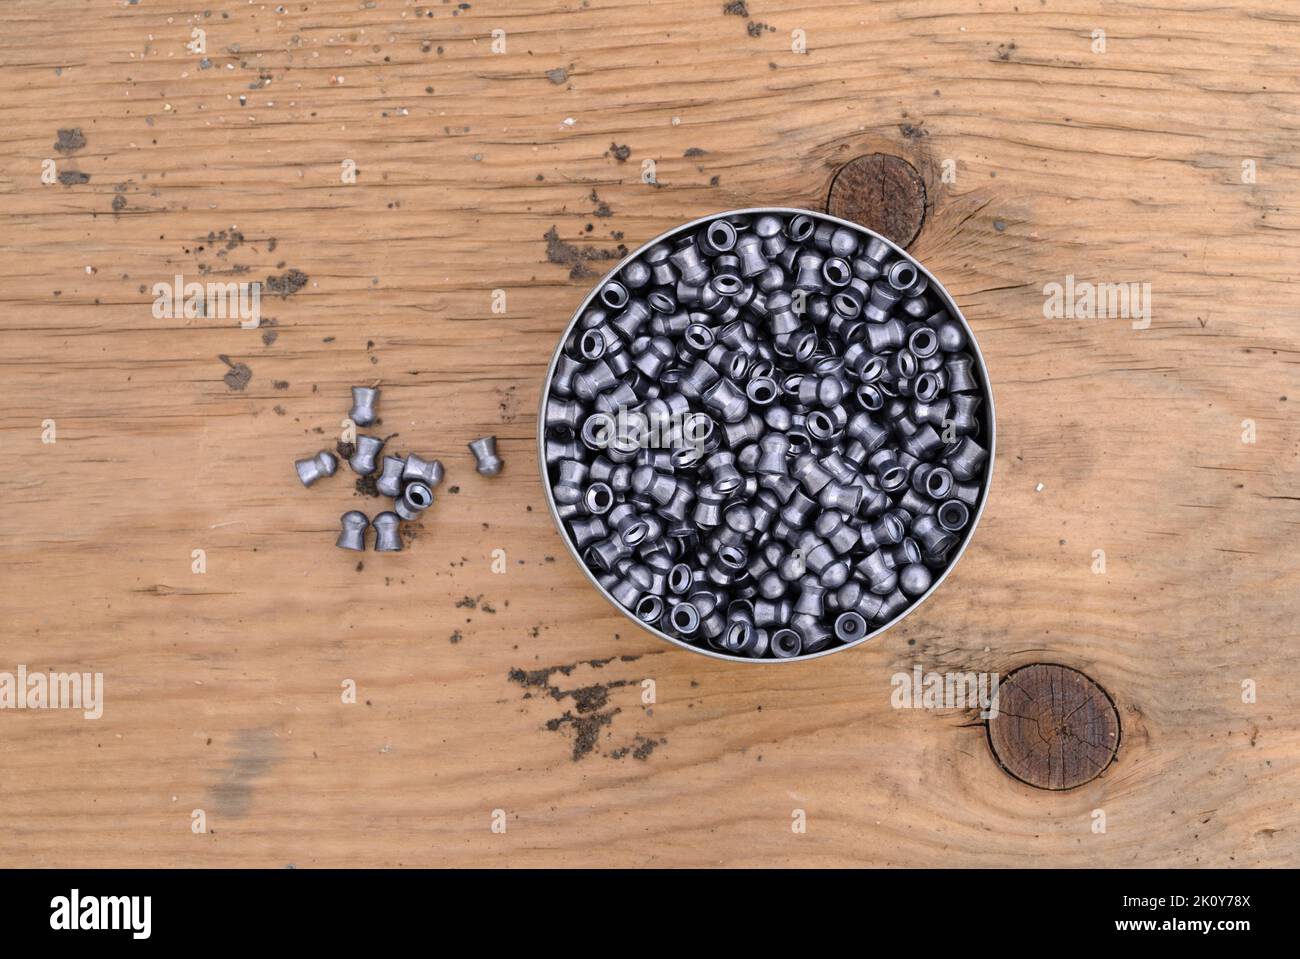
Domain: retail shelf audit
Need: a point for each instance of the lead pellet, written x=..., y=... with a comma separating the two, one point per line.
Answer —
x=390, y=478
x=415, y=499
x=387, y=537
x=364, y=454
x=316, y=468
x=429, y=472
x=364, y=399
x=352, y=532
x=488, y=463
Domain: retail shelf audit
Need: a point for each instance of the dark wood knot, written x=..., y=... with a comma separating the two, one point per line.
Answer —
x=881, y=192
x=1055, y=728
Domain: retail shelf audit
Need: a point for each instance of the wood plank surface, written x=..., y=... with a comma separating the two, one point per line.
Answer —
x=523, y=691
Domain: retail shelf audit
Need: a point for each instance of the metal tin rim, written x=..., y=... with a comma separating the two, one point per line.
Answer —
x=990, y=419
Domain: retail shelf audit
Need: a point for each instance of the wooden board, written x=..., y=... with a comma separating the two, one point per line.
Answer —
x=523, y=691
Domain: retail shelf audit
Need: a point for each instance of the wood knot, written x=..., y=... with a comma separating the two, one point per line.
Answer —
x=1055, y=728
x=881, y=192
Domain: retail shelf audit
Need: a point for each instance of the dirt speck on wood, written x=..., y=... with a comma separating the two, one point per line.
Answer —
x=238, y=375
x=586, y=730
x=640, y=749
x=576, y=258
x=287, y=284
x=602, y=208
x=70, y=140
x=592, y=710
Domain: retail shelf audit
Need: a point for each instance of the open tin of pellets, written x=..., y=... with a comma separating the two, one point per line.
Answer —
x=848, y=367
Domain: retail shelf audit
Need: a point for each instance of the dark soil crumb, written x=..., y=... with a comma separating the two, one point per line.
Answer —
x=366, y=485
x=506, y=404
x=737, y=9
x=280, y=384
x=287, y=284
x=73, y=177
x=695, y=152
x=119, y=203
x=360, y=565
x=558, y=76
x=232, y=239
x=591, y=698
x=278, y=410
x=591, y=704
x=454, y=637
x=469, y=602
x=238, y=375
x=576, y=258
x=757, y=29
x=269, y=337
x=620, y=153
x=1006, y=49
x=602, y=208
x=542, y=677
x=912, y=131
x=641, y=748
x=586, y=730
x=345, y=450
x=453, y=490
x=70, y=141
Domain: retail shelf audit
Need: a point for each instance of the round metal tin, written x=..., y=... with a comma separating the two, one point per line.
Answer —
x=988, y=432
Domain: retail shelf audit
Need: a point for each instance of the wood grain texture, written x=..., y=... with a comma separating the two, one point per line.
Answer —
x=223, y=689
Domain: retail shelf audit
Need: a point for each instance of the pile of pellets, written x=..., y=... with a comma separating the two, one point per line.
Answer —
x=764, y=435
x=409, y=480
